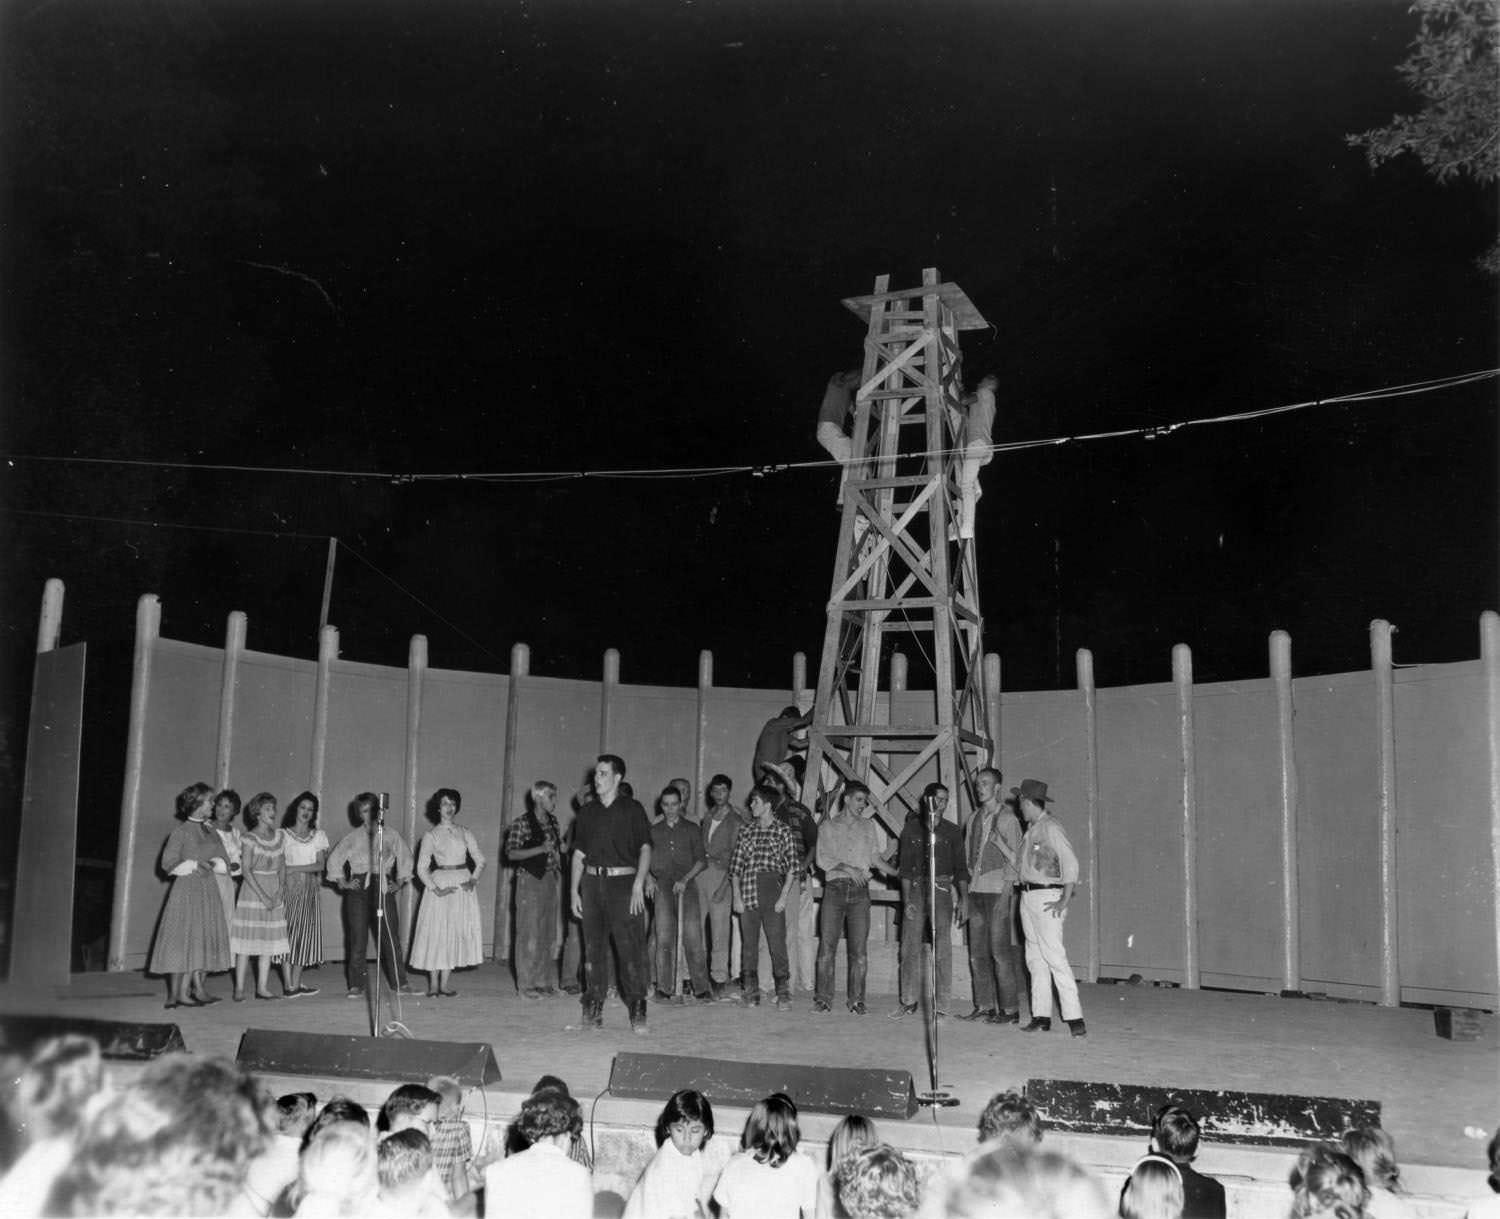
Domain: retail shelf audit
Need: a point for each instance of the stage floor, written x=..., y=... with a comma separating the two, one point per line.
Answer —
x=1431, y=1090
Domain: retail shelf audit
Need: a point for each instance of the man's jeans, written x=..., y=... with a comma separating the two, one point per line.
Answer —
x=606, y=918
x=768, y=889
x=846, y=904
x=801, y=936
x=720, y=916
x=536, y=930
x=664, y=938
x=995, y=964
x=914, y=954
x=360, y=922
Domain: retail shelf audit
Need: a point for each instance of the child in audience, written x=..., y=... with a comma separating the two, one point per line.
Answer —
x=767, y=1178
x=853, y=1134
x=878, y=1183
x=542, y=1182
x=1373, y=1150
x=452, y=1144
x=274, y=1171
x=1153, y=1190
x=45, y=1108
x=408, y=1184
x=679, y=1181
x=1326, y=1182
x=337, y=1174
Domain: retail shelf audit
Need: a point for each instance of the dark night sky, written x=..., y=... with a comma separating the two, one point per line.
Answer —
x=588, y=235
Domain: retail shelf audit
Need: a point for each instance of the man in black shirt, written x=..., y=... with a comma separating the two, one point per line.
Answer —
x=952, y=873
x=611, y=859
x=1175, y=1135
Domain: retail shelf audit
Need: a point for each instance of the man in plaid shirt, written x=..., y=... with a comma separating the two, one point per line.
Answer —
x=764, y=867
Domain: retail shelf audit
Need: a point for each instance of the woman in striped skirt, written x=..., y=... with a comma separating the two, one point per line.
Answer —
x=306, y=851
x=259, y=928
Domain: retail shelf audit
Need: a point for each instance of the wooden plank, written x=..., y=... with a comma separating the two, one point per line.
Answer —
x=966, y=315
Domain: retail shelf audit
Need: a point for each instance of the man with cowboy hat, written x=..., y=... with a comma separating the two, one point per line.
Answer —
x=801, y=931
x=1049, y=871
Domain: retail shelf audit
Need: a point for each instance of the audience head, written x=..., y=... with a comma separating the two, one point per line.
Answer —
x=1153, y=1190
x=547, y=1114
x=193, y=802
x=1375, y=1152
x=771, y=1131
x=51, y=1089
x=687, y=1119
x=339, y=1109
x=1327, y=1182
x=878, y=1183
x=289, y=818
x=1010, y=1116
x=853, y=1133
x=410, y=1105
x=402, y=1160
x=450, y=1095
x=175, y=1141
x=1175, y=1134
x=1495, y=1162
x=295, y=1113
x=1010, y=1182
x=337, y=1173
x=550, y=1081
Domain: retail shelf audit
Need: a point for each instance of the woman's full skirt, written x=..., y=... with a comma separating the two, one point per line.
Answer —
x=447, y=934
x=192, y=934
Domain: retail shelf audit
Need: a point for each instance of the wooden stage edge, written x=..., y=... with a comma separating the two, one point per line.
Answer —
x=1432, y=1091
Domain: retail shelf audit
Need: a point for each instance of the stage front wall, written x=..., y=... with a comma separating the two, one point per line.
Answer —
x=1445, y=880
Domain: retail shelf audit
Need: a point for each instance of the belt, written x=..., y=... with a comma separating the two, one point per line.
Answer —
x=847, y=880
x=593, y=871
x=1026, y=886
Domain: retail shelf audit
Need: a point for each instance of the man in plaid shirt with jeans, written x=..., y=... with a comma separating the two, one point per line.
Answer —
x=764, y=868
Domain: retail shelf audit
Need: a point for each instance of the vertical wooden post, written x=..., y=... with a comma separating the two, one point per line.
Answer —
x=992, y=706
x=1182, y=676
x=700, y=741
x=1385, y=705
x=1291, y=895
x=328, y=652
x=49, y=627
x=333, y=554
x=416, y=671
x=1085, y=667
x=608, y=682
x=147, y=630
x=1489, y=652
x=799, y=675
x=520, y=669
x=229, y=680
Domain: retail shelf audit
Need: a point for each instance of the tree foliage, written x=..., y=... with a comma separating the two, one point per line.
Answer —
x=1454, y=67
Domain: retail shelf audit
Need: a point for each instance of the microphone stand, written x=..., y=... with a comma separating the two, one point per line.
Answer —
x=937, y=1096
x=378, y=862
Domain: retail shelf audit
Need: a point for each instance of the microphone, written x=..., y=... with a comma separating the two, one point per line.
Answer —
x=381, y=806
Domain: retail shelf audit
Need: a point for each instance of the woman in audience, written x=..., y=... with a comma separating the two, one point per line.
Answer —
x=177, y=1140
x=447, y=935
x=259, y=928
x=853, y=1134
x=46, y=1106
x=679, y=1181
x=1375, y=1152
x=1153, y=1190
x=192, y=937
x=767, y=1178
x=337, y=1174
x=306, y=852
x=542, y=1182
x=878, y=1183
x=1327, y=1182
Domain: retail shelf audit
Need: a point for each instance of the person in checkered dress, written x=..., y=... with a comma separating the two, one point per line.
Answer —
x=764, y=866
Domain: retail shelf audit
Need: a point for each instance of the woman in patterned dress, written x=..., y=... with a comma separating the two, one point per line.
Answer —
x=306, y=851
x=191, y=937
x=447, y=934
x=259, y=928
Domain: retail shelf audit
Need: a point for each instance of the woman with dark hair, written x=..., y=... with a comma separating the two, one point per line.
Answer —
x=259, y=927
x=447, y=935
x=226, y=812
x=768, y=1179
x=306, y=852
x=680, y=1178
x=192, y=937
x=542, y=1182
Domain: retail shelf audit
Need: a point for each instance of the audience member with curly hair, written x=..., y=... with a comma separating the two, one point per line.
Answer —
x=1326, y=1182
x=1011, y=1118
x=1375, y=1152
x=853, y=1134
x=542, y=1182
x=46, y=1107
x=878, y=1183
